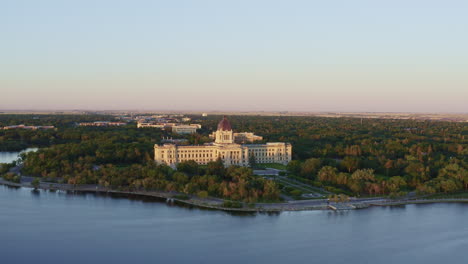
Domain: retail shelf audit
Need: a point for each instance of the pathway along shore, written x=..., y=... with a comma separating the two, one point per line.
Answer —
x=216, y=203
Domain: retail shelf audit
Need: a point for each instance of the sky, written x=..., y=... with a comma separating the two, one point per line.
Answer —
x=243, y=55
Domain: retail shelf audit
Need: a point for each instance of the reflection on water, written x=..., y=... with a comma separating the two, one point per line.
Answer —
x=8, y=157
x=60, y=227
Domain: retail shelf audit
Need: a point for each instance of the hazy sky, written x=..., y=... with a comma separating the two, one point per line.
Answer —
x=290, y=55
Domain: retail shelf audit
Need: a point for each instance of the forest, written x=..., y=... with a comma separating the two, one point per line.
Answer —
x=359, y=157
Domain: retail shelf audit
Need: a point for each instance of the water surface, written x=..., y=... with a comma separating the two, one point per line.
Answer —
x=57, y=227
x=10, y=156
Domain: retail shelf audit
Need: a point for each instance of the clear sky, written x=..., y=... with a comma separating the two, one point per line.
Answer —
x=290, y=55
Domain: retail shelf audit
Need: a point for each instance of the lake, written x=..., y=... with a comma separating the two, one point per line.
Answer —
x=10, y=156
x=47, y=227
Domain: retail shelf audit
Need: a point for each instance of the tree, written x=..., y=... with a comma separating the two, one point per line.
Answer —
x=310, y=167
x=270, y=191
x=339, y=198
x=11, y=177
x=448, y=186
x=294, y=167
x=394, y=184
x=190, y=167
x=417, y=173
x=351, y=163
x=363, y=180
x=180, y=178
x=252, y=161
x=216, y=168
x=327, y=173
x=342, y=178
x=363, y=175
x=35, y=183
x=453, y=171
x=388, y=165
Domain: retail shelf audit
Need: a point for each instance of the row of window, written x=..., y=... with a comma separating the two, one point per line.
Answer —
x=190, y=151
x=237, y=161
x=204, y=155
x=272, y=151
x=205, y=161
x=268, y=160
x=267, y=154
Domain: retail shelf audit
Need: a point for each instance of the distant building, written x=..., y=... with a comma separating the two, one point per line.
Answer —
x=225, y=148
x=28, y=127
x=102, y=124
x=176, y=128
x=204, y=115
x=151, y=124
x=198, y=126
x=185, y=129
x=174, y=141
x=246, y=137
x=242, y=137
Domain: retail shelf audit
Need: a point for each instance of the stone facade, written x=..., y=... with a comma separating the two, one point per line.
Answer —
x=184, y=129
x=224, y=147
x=242, y=137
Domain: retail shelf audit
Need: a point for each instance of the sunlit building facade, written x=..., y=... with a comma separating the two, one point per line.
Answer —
x=224, y=147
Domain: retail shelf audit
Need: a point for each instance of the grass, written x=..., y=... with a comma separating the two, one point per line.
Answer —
x=181, y=197
x=448, y=195
x=290, y=185
x=271, y=165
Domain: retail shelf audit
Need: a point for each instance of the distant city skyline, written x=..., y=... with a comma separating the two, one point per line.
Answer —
x=297, y=56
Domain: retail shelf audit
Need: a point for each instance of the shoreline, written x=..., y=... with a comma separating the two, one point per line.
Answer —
x=214, y=203
x=167, y=196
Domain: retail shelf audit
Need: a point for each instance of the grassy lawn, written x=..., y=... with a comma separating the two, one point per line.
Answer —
x=448, y=195
x=303, y=187
x=271, y=165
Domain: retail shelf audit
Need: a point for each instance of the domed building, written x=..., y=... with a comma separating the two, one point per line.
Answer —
x=224, y=147
x=224, y=133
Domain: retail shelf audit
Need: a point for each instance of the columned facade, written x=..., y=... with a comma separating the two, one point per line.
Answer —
x=224, y=148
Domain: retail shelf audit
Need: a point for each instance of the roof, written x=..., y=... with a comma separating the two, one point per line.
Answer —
x=224, y=125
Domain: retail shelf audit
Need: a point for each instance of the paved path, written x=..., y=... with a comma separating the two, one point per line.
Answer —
x=313, y=188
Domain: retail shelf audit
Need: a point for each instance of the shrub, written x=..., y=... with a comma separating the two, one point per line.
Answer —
x=202, y=194
x=181, y=197
x=232, y=204
x=295, y=193
x=12, y=177
x=35, y=183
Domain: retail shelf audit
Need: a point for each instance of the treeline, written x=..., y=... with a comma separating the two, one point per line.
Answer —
x=336, y=138
x=348, y=175
x=57, y=120
x=66, y=130
x=233, y=183
x=372, y=156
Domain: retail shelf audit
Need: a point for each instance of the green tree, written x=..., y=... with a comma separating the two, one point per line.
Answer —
x=351, y=163
x=252, y=161
x=190, y=167
x=327, y=173
x=35, y=183
x=310, y=167
x=216, y=168
x=294, y=167
x=394, y=184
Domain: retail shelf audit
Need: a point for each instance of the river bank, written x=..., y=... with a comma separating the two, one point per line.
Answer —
x=216, y=203
x=172, y=197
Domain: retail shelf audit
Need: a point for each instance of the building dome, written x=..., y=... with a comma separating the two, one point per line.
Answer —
x=224, y=125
